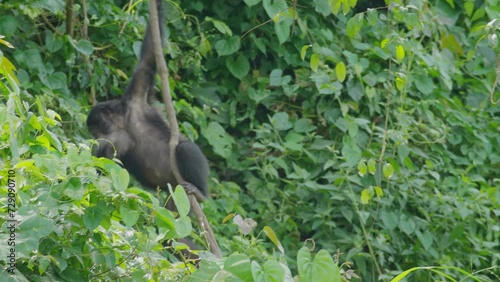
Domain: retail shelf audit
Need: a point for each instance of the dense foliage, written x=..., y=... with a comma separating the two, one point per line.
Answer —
x=368, y=132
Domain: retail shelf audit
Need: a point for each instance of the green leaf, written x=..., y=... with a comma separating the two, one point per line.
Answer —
x=426, y=238
x=350, y=151
x=221, y=142
x=372, y=16
x=257, y=272
x=372, y=166
x=303, y=125
x=335, y=6
x=314, y=63
x=346, y=7
x=83, y=46
x=260, y=43
x=400, y=83
x=389, y=219
x=53, y=43
x=433, y=269
x=238, y=265
x=340, y=71
x=204, y=47
x=352, y=3
x=238, y=67
x=8, y=26
x=303, y=51
x=275, y=77
x=362, y=168
x=322, y=269
x=272, y=236
x=165, y=221
x=220, y=26
x=271, y=271
x=370, y=92
x=282, y=29
x=424, y=84
x=479, y=13
x=227, y=46
x=280, y=121
x=183, y=226
x=7, y=68
x=36, y=227
x=456, y=232
x=469, y=8
x=365, y=197
x=259, y=94
x=44, y=262
x=57, y=80
x=384, y=43
x=388, y=170
x=354, y=25
x=93, y=216
x=407, y=225
x=121, y=178
x=274, y=7
x=129, y=216
x=181, y=200
x=400, y=53
x=54, y=140
x=54, y=6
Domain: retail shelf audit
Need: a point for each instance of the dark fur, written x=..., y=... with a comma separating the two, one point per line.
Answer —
x=139, y=134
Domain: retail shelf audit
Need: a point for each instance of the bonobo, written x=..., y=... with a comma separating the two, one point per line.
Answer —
x=140, y=136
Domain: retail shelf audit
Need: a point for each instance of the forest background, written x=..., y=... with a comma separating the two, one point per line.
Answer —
x=368, y=132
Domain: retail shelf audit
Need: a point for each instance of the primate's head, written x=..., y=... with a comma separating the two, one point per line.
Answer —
x=106, y=123
x=105, y=118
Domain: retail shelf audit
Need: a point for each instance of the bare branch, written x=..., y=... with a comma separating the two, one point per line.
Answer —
x=174, y=129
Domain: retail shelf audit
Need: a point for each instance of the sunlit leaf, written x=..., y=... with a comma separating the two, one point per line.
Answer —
x=365, y=197
x=340, y=71
x=272, y=236
x=400, y=83
x=303, y=51
x=314, y=63
x=388, y=170
x=469, y=8
x=362, y=168
x=181, y=200
x=378, y=191
x=321, y=269
x=372, y=166
x=400, y=53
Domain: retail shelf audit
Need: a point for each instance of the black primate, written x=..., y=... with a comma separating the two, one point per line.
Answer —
x=139, y=134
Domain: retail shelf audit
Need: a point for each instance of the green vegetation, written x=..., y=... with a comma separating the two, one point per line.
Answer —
x=347, y=141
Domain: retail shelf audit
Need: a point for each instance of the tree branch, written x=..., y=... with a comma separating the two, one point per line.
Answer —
x=174, y=128
x=69, y=17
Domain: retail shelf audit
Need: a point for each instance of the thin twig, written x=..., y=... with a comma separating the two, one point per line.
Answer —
x=495, y=83
x=85, y=28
